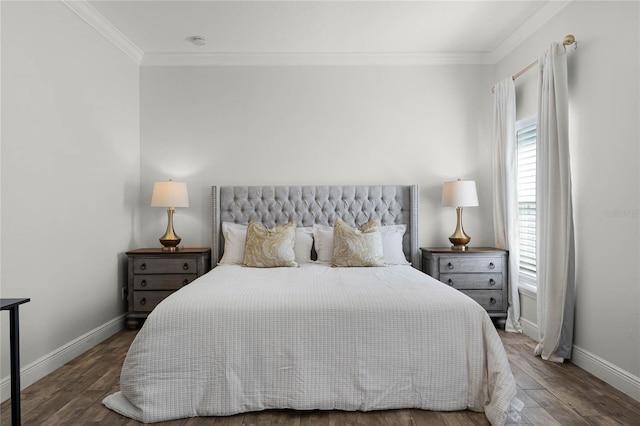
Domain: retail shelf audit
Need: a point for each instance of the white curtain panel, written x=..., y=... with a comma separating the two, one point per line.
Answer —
x=555, y=251
x=505, y=197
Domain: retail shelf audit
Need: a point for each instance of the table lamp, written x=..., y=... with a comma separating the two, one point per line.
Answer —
x=170, y=194
x=459, y=194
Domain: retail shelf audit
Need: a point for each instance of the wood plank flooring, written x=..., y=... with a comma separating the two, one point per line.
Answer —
x=552, y=394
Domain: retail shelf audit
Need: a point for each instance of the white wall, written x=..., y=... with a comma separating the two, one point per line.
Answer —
x=70, y=178
x=604, y=90
x=313, y=125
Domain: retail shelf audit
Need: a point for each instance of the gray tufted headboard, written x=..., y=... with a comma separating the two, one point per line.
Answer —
x=308, y=205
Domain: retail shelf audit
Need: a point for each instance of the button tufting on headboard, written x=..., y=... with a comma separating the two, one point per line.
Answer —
x=306, y=205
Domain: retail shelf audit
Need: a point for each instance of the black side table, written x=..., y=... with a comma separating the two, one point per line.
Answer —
x=12, y=305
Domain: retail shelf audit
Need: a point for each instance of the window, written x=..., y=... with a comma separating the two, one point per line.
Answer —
x=526, y=140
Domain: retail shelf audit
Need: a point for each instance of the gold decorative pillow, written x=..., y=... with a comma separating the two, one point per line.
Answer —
x=269, y=248
x=357, y=247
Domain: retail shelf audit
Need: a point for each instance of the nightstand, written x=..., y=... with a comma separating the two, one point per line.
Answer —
x=479, y=272
x=155, y=273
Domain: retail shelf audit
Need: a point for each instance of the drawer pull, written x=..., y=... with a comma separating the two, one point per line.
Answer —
x=450, y=265
x=143, y=266
x=492, y=301
x=491, y=265
x=143, y=301
x=185, y=282
x=143, y=283
x=492, y=282
x=450, y=281
x=185, y=266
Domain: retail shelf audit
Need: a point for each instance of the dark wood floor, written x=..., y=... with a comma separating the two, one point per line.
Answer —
x=552, y=394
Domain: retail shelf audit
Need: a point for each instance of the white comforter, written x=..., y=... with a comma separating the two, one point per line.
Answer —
x=316, y=337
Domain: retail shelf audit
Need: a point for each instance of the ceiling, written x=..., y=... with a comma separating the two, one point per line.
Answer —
x=265, y=31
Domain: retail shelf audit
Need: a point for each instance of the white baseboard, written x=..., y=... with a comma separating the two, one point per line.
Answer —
x=604, y=370
x=529, y=329
x=47, y=364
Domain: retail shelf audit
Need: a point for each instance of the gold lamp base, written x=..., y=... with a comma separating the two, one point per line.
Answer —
x=459, y=239
x=170, y=239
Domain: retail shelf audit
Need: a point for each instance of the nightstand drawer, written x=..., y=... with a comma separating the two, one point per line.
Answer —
x=491, y=300
x=155, y=273
x=148, y=265
x=479, y=272
x=470, y=264
x=145, y=301
x=162, y=282
x=473, y=281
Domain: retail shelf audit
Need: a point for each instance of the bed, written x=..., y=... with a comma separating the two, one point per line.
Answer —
x=315, y=336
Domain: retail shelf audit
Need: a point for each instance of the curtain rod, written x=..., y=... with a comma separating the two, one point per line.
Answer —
x=569, y=39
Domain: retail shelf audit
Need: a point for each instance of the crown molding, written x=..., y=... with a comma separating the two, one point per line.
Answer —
x=311, y=59
x=524, y=31
x=92, y=17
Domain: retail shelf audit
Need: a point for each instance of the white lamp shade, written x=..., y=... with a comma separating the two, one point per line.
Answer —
x=459, y=193
x=170, y=194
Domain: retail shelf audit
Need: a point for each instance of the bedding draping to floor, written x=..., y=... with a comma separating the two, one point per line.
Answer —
x=316, y=337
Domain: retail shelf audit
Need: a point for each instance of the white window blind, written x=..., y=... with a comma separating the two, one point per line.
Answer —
x=526, y=137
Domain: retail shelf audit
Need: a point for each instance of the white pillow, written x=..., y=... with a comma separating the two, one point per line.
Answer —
x=304, y=242
x=235, y=236
x=392, y=244
x=392, y=236
x=323, y=239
